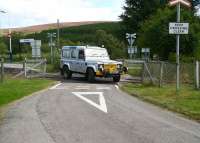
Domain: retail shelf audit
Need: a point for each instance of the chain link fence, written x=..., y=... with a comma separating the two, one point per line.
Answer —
x=161, y=73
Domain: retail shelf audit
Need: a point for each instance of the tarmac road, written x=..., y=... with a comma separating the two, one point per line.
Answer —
x=78, y=112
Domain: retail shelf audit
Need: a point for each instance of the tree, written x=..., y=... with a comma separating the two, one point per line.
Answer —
x=136, y=11
x=154, y=34
x=115, y=48
x=3, y=48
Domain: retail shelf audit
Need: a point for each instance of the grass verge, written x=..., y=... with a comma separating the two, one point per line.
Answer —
x=14, y=89
x=187, y=102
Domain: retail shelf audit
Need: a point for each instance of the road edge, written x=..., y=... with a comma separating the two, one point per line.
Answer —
x=4, y=109
x=180, y=114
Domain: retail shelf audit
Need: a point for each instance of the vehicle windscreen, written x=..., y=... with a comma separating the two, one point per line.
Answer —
x=96, y=54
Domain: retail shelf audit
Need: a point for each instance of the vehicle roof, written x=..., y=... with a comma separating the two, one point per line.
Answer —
x=82, y=47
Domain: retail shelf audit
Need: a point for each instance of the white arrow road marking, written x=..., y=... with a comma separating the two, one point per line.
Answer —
x=102, y=101
x=55, y=86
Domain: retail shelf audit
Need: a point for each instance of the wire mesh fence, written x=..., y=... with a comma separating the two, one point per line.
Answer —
x=160, y=73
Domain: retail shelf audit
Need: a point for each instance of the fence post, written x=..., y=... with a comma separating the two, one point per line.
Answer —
x=143, y=71
x=24, y=67
x=2, y=70
x=161, y=74
x=197, y=74
x=45, y=67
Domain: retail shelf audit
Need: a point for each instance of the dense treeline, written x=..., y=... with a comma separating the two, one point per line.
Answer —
x=150, y=20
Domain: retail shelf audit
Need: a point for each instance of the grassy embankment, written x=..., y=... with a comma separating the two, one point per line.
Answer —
x=14, y=89
x=187, y=102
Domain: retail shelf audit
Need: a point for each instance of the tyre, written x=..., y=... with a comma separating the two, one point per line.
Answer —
x=90, y=75
x=67, y=74
x=116, y=78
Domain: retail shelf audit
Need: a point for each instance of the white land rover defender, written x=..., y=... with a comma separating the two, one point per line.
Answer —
x=91, y=61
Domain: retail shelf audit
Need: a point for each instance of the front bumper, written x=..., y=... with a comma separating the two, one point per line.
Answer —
x=107, y=74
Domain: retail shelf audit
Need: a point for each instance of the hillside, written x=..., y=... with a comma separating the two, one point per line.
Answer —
x=84, y=33
x=109, y=34
x=39, y=28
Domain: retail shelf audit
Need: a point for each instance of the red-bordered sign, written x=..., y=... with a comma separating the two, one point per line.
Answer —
x=9, y=35
x=183, y=2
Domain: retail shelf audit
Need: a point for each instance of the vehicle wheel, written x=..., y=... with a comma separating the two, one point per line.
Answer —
x=67, y=73
x=61, y=72
x=90, y=75
x=116, y=78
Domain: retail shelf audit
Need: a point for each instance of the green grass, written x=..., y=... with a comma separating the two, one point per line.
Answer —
x=13, y=89
x=135, y=72
x=187, y=102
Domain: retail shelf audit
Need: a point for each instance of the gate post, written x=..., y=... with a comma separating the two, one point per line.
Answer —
x=2, y=69
x=45, y=67
x=24, y=67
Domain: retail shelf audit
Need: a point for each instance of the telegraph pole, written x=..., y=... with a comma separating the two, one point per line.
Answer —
x=52, y=45
x=10, y=41
x=58, y=33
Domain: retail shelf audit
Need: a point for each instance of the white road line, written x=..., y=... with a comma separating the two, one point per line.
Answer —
x=116, y=86
x=60, y=88
x=103, y=88
x=82, y=88
x=102, y=101
x=55, y=86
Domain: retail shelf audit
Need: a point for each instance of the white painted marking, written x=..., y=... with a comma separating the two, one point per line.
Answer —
x=102, y=101
x=82, y=87
x=60, y=88
x=103, y=88
x=55, y=86
x=117, y=87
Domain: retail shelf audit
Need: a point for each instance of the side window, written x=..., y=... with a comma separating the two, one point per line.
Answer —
x=73, y=53
x=81, y=54
x=66, y=54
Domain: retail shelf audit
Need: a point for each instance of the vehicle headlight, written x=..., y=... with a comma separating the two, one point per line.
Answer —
x=100, y=67
x=119, y=66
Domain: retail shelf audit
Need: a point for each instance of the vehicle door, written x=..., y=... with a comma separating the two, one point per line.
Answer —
x=73, y=61
x=65, y=57
x=81, y=61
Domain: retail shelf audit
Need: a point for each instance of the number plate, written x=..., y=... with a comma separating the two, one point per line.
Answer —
x=110, y=68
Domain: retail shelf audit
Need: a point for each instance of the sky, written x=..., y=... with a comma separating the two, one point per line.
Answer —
x=22, y=13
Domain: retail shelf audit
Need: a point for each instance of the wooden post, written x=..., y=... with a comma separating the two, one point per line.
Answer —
x=24, y=67
x=161, y=74
x=197, y=74
x=2, y=70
